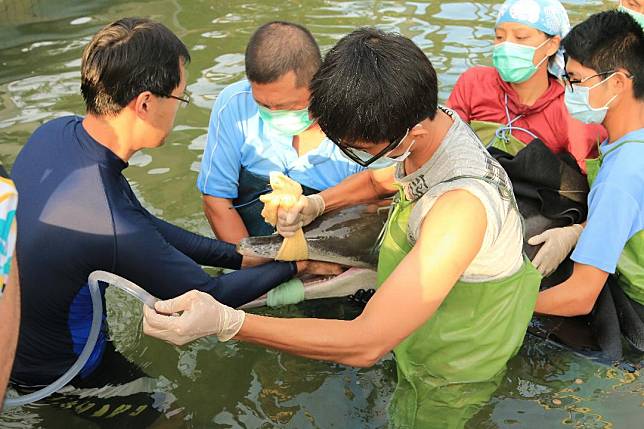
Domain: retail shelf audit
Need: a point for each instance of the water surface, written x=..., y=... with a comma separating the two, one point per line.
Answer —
x=240, y=385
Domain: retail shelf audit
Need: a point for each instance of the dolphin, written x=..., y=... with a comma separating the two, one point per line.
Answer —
x=347, y=237
x=350, y=236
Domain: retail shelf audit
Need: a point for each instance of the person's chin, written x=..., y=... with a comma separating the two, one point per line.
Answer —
x=159, y=143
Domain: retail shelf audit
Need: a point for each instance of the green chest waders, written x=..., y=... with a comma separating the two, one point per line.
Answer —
x=453, y=363
x=630, y=267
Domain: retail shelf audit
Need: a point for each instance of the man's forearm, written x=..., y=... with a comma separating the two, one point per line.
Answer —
x=366, y=186
x=574, y=297
x=560, y=300
x=340, y=341
x=243, y=286
x=223, y=219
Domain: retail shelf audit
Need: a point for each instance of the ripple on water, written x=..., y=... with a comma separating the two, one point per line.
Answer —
x=239, y=385
x=140, y=159
x=161, y=170
x=199, y=142
x=81, y=20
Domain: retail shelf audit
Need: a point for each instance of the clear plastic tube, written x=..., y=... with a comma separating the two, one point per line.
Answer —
x=97, y=313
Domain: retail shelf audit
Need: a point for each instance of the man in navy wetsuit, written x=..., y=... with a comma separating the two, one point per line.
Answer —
x=78, y=213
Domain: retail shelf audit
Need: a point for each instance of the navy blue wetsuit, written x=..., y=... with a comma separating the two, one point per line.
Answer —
x=78, y=214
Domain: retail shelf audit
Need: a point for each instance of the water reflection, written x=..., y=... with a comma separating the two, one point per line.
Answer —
x=238, y=385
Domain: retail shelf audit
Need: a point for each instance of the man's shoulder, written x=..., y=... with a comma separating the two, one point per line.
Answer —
x=55, y=126
x=239, y=92
x=46, y=137
x=628, y=164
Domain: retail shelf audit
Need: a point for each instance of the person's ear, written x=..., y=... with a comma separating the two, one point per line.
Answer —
x=418, y=131
x=142, y=103
x=553, y=45
x=620, y=82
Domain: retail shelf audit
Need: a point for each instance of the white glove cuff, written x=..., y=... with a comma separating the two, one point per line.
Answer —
x=318, y=202
x=231, y=321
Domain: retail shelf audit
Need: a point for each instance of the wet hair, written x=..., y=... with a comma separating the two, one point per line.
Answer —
x=279, y=47
x=372, y=87
x=608, y=41
x=126, y=58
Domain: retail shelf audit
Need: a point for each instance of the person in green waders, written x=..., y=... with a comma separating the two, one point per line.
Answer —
x=605, y=84
x=455, y=293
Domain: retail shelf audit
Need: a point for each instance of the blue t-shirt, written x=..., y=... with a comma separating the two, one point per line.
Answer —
x=238, y=137
x=615, y=204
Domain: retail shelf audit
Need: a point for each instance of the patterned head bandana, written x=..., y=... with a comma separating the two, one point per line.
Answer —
x=548, y=16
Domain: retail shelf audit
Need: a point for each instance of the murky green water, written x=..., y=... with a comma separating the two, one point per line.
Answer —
x=239, y=385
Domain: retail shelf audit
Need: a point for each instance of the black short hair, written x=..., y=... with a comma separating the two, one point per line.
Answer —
x=278, y=47
x=126, y=58
x=607, y=41
x=372, y=87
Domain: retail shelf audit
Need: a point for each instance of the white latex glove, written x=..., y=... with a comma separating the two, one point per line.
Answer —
x=201, y=315
x=302, y=213
x=557, y=244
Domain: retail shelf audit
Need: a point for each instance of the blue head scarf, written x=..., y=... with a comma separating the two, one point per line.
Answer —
x=548, y=16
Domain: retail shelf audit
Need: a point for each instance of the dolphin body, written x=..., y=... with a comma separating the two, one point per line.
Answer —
x=347, y=237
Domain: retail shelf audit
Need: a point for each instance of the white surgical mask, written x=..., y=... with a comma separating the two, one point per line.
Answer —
x=402, y=157
x=384, y=161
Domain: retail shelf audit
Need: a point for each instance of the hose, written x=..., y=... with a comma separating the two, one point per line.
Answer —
x=97, y=313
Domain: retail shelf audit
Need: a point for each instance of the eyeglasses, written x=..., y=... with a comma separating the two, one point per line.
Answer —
x=185, y=99
x=363, y=157
x=570, y=82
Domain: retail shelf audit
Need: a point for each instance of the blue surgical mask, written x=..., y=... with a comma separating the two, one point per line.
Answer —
x=578, y=104
x=514, y=62
x=288, y=123
x=637, y=16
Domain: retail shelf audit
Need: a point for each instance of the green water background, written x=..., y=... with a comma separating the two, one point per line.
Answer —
x=240, y=385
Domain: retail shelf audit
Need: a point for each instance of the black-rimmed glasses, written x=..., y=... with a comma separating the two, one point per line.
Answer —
x=570, y=82
x=364, y=158
x=185, y=99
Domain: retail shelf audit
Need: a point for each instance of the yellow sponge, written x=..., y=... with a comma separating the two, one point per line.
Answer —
x=286, y=192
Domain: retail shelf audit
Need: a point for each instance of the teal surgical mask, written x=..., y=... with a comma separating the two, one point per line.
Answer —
x=578, y=103
x=639, y=17
x=514, y=62
x=288, y=123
